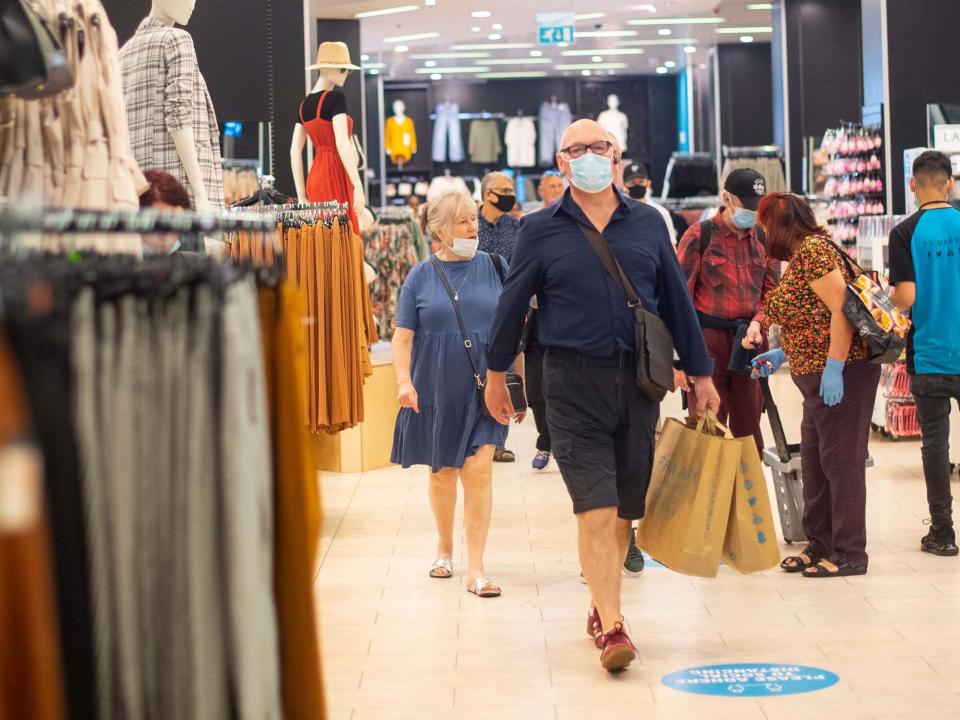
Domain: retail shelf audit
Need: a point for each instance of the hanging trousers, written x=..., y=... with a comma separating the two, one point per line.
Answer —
x=41, y=342
x=833, y=455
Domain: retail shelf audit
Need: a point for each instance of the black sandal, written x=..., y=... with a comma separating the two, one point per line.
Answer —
x=843, y=570
x=798, y=565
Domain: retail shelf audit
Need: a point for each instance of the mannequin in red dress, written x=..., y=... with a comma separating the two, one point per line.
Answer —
x=323, y=118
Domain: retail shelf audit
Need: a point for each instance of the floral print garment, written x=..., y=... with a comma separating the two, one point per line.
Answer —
x=803, y=317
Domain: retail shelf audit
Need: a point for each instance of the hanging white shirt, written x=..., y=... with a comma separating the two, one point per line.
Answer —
x=665, y=214
x=521, y=139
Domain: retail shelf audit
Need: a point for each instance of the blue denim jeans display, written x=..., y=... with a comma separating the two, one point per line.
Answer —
x=933, y=394
x=446, y=134
x=554, y=119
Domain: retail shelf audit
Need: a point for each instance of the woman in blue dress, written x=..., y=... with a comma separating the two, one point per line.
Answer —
x=440, y=423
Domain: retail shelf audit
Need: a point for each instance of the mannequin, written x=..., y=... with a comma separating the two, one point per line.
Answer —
x=189, y=119
x=334, y=174
x=400, y=136
x=614, y=121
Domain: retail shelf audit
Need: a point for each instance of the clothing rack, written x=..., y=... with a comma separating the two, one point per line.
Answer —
x=752, y=151
x=59, y=220
x=325, y=212
x=238, y=163
x=479, y=116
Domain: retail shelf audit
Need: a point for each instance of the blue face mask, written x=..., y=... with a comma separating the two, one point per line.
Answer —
x=744, y=219
x=591, y=173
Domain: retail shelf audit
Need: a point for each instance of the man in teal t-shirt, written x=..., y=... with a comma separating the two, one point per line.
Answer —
x=925, y=268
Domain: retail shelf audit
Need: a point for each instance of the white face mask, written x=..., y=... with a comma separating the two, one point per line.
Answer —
x=465, y=247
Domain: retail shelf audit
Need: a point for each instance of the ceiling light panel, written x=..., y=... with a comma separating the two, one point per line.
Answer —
x=744, y=30
x=374, y=66
x=511, y=75
x=589, y=16
x=408, y=38
x=516, y=61
x=450, y=56
x=493, y=46
x=592, y=66
x=678, y=21
x=450, y=70
x=387, y=11
x=605, y=33
x=664, y=41
x=481, y=14
x=760, y=6
x=612, y=51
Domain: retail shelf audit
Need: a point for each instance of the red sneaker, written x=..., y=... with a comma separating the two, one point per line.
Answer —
x=618, y=650
x=593, y=624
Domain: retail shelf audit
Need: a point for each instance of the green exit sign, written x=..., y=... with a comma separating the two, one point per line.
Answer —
x=555, y=34
x=555, y=28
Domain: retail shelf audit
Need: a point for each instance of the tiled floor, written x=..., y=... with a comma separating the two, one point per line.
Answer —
x=398, y=644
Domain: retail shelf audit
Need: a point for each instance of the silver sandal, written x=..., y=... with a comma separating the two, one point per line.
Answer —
x=445, y=564
x=478, y=585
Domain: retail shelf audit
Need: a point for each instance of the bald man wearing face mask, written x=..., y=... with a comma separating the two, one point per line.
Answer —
x=601, y=424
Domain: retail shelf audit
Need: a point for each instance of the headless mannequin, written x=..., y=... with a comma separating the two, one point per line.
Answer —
x=330, y=78
x=614, y=121
x=399, y=115
x=178, y=12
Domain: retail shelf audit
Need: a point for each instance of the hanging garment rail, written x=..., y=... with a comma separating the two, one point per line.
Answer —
x=143, y=221
x=752, y=151
x=478, y=116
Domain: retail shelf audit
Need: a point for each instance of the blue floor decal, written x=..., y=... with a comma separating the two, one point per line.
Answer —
x=751, y=680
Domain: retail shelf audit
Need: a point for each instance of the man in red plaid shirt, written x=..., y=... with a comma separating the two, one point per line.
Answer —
x=728, y=274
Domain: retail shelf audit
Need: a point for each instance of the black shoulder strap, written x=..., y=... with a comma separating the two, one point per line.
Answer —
x=603, y=251
x=706, y=232
x=467, y=344
x=499, y=266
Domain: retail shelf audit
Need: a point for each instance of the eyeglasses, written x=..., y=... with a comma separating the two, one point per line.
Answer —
x=601, y=147
x=346, y=71
x=553, y=173
x=503, y=191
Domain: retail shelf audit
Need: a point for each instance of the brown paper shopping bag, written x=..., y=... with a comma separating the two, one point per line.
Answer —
x=751, y=542
x=688, y=502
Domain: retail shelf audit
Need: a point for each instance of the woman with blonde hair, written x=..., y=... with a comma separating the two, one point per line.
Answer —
x=441, y=423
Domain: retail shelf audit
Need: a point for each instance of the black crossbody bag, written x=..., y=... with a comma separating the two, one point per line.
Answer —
x=653, y=342
x=514, y=381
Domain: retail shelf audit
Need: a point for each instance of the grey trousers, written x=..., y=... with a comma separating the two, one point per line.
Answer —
x=247, y=503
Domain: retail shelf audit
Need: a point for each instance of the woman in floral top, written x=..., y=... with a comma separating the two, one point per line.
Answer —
x=828, y=364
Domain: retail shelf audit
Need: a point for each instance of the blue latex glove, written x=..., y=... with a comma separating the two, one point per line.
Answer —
x=831, y=382
x=766, y=364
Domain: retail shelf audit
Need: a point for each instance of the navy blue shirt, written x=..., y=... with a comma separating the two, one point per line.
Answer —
x=581, y=306
x=498, y=238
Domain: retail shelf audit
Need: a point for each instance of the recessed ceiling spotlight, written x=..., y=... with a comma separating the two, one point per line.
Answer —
x=670, y=64
x=597, y=58
x=374, y=72
x=746, y=38
x=536, y=53
x=664, y=32
x=475, y=28
x=436, y=76
x=702, y=66
x=401, y=48
x=494, y=36
x=690, y=49
x=586, y=73
x=364, y=58
x=563, y=44
x=430, y=63
x=481, y=14
x=661, y=70
x=387, y=11
x=429, y=3
x=497, y=26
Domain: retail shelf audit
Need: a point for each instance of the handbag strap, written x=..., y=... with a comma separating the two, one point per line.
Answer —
x=603, y=251
x=467, y=343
